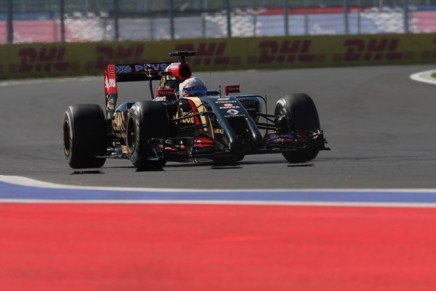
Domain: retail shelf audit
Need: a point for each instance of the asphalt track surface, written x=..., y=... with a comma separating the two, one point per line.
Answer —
x=379, y=124
x=310, y=235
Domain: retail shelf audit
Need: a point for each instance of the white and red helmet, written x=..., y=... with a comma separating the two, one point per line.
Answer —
x=192, y=87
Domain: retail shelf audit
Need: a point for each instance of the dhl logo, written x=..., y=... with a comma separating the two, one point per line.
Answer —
x=46, y=59
x=285, y=51
x=210, y=53
x=118, y=54
x=373, y=49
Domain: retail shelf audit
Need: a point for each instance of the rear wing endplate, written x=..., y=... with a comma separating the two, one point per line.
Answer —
x=128, y=73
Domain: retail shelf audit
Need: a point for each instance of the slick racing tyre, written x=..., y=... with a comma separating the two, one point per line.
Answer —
x=85, y=134
x=295, y=112
x=146, y=120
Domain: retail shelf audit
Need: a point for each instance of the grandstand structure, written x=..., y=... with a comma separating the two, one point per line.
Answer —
x=25, y=21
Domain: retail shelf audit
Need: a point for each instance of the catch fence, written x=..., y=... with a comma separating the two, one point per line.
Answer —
x=24, y=21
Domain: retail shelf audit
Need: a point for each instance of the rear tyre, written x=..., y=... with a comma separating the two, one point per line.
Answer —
x=85, y=136
x=295, y=112
x=146, y=120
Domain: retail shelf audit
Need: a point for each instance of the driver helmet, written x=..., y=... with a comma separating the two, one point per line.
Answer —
x=192, y=87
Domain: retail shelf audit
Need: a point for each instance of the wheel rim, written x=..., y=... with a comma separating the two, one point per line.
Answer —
x=282, y=120
x=131, y=136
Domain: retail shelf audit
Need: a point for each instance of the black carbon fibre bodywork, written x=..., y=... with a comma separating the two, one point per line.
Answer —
x=218, y=127
x=221, y=128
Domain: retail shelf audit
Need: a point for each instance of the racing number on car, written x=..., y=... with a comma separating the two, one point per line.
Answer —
x=110, y=83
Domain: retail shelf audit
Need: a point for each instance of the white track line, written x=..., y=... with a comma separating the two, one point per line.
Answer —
x=424, y=77
x=28, y=182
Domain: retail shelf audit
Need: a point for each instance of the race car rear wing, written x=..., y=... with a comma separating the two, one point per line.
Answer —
x=136, y=72
x=142, y=72
x=128, y=73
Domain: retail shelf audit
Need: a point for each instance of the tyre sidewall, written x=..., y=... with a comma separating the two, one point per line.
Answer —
x=146, y=119
x=300, y=113
x=85, y=136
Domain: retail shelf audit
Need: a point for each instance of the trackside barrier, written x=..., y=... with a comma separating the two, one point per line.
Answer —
x=78, y=59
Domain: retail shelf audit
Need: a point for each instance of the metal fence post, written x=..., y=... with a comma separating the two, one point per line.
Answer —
x=285, y=13
x=171, y=17
x=10, y=22
x=359, y=22
x=62, y=18
x=151, y=22
x=346, y=22
x=254, y=24
x=306, y=24
x=406, y=16
x=116, y=19
x=203, y=26
x=229, y=18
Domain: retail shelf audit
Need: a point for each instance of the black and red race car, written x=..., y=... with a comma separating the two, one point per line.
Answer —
x=219, y=127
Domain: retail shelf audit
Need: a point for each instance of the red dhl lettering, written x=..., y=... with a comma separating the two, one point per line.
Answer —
x=46, y=59
x=209, y=54
x=285, y=51
x=45, y=54
x=119, y=54
x=372, y=49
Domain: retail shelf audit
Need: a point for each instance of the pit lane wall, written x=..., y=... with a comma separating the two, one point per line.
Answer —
x=76, y=59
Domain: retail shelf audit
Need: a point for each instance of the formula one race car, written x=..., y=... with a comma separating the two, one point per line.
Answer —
x=170, y=127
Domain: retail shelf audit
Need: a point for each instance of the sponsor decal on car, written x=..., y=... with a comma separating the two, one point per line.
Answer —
x=229, y=106
x=124, y=69
x=140, y=68
x=224, y=100
x=233, y=112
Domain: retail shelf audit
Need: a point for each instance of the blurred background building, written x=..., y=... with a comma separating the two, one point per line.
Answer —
x=24, y=21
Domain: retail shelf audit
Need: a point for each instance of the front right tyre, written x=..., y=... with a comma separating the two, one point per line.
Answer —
x=297, y=112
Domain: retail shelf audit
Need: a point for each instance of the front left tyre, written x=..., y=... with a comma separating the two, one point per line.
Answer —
x=85, y=135
x=147, y=120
